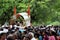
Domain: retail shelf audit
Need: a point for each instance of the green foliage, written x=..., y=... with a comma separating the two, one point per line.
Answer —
x=42, y=11
x=55, y=23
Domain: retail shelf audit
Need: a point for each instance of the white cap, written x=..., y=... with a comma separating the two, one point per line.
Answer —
x=5, y=30
x=2, y=32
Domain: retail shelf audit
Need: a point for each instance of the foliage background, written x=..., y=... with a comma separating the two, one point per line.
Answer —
x=42, y=11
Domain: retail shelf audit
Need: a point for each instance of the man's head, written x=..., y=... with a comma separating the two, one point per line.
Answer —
x=3, y=36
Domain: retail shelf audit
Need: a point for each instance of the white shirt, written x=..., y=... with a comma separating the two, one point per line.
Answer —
x=33, y=38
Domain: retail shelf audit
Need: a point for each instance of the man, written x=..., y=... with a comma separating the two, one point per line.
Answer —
x=31, y=36
x=3, y=36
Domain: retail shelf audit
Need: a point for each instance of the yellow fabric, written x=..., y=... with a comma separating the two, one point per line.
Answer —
x=36, y=38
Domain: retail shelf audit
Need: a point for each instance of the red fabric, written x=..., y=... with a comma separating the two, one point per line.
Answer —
x=14, y=10
x=28, y=11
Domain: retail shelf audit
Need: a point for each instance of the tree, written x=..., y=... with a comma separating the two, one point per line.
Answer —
x=42, y=11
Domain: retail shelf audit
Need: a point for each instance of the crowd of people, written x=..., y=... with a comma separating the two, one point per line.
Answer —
x=18, y=32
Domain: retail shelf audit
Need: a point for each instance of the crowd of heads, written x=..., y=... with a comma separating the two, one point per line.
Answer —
x=16, y=32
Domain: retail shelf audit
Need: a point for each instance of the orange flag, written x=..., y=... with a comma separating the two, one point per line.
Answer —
x=28, y=11
x=14, y=10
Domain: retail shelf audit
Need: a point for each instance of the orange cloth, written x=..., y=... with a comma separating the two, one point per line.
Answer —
x=14, y=10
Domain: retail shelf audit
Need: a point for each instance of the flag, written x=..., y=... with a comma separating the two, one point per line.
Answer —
x=14, y=10
x=14, y=13
x=28, y=11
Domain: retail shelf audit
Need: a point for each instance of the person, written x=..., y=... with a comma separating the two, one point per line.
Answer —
x=52, y=37
x=58, y=31
x=45, y=36
x=40, y=36
x=15, y=37
x=58, y=37
x=10, y=37
x=3, y=36
x=26, y=37
x=31, y=36
x=36, y=36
